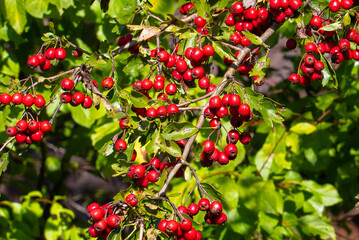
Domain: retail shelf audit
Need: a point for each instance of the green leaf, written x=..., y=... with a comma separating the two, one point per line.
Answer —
x=222, y=51
x=122, y=10
x=253, y=38
x=62, y=4
x=262, y=64
x=303, y=128
x=139, y=100
x=314, y=225
x=4, y=161
x=222, y=4
x=15, y=13
x=203, y=8
x=327, y=193
x=332, y=27
x=95, y=60
x=178, y=131
x=212, y=191
x=346, y=19
x=87, y=117
x=133, y=66
x=329, y=68
x=37, y=8
x=173, y=149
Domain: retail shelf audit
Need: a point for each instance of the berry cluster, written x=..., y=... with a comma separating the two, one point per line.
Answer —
x=17, y=98
x=148, y=172
x=75, y=99
x=311, y=68
x=43, y=60
x=103, y=220
x=183, y=230
x=28, y=131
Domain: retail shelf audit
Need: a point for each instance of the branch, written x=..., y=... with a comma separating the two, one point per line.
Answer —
x=228, y=76
x=6, y=143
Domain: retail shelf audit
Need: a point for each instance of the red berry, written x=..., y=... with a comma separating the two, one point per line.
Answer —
x=16, y=98
x=162, y=112
x=291, y=43
x=67, y=84
x=182, y=209
x=37, y=136
x=214, y=123
x=234, y=100
x=231, y=151
x=28, y=100
x=310, y=48
x=162, y=225
x=318, y=65
x=244, y=109
x=46, y=65
x=50, y=53
x=215, y=102
x=251, y=13
x=20, y=137
x=66, y=97
x=151, y=114
x=193, y=209
x=316, y=22
x=208, y=147
x=100, y=226
x=131, y=200
x=45, y=126
x=93, y=206
x=139, y=171
x=76, y=52
x=237, y=9
x=77, y=98
x=60, y=53
x=153, y=176
x=230, y=20
x=21, y=126
x=33, y=61
x=346, y=4
x=203, y=204
x=11, y=131
x=163, y=56
x=191, y=234
x=344, y=44
x=294, y=78
x=208, y=50
x=171, y=89
x=309, y=60
x=334, y=5
x=197, y=72
x=203, y=83
x=107, y=83
x=215, y=208
x=97, y=214
x=172, y=110
x=220, y=218
x=33, y=126
x=233, y=136
x=197, y=54
x=87, y=103
x=200, y=21
x=5, y=98
x=113, y=221
x=295, y=4
x=120, y=145
x=172, y=227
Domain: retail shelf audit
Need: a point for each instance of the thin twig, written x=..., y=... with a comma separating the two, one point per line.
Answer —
x=6, y=143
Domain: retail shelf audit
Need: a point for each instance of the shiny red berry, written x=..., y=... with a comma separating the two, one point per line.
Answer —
x=67, y=84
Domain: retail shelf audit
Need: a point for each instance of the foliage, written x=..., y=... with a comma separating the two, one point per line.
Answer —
x=301, y=164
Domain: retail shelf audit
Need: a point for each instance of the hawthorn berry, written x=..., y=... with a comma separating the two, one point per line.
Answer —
x=92, y=206
x=171, y=89
x=113, y=221
x=77, y=98
x=87, y=103
x=162, y=225
x=200, y=21
x=203, y=204
x=97, y=214
x=131, y=200
x=107, y=83
x=193, y=209
x=161, y=112
x=28, y=100
x=163, y=56
x=67, y=84
x=33, y=61
x=172, y=110
x=215, y=208
x=50, y=53
x=16, y=98
x=11, y=131
x=208, y=147
x=120, y=145
x=60, y=53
